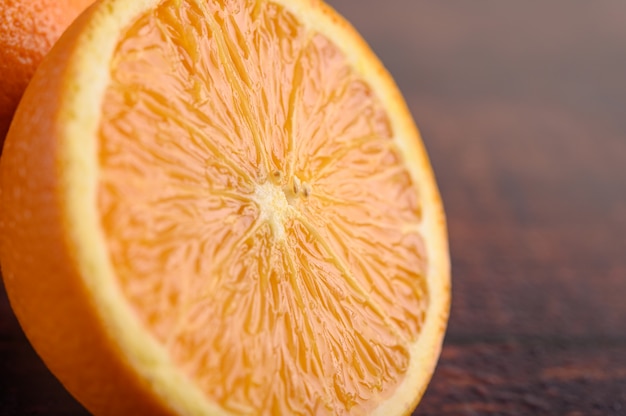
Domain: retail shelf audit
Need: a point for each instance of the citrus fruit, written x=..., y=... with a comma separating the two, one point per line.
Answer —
x=28, y=28
x=223, y=207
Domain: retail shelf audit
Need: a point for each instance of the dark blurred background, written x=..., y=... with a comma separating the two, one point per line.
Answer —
x=522, y=106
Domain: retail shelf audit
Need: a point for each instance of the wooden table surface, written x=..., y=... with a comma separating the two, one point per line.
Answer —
x=522, y=106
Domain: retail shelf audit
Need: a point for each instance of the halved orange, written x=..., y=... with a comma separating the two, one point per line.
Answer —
x=219, y=207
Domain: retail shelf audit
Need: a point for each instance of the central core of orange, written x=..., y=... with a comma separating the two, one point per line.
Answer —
x=275, y=207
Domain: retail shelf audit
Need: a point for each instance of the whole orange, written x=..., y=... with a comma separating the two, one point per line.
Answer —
x=28, y=29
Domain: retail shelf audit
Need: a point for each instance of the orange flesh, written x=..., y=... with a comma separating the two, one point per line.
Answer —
x=259, y=218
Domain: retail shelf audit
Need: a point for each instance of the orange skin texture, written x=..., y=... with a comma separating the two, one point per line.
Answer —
x=28, y=29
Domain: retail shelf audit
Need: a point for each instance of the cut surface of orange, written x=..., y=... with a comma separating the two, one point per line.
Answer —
x=223, y=207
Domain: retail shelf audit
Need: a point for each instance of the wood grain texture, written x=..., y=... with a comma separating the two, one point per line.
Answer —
x=522, y=106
